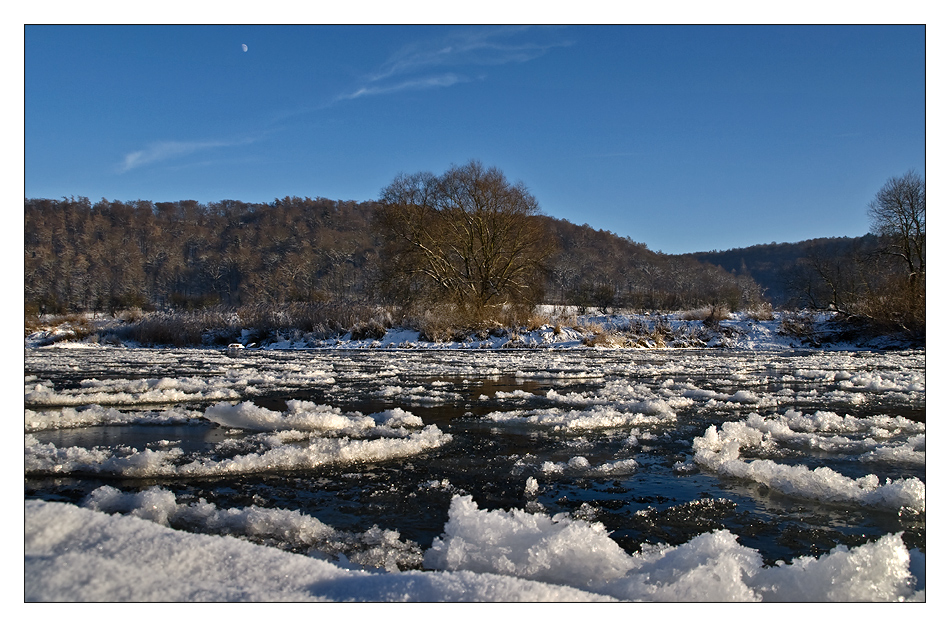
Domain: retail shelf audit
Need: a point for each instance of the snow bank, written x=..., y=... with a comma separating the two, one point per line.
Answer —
x=76, y=554
x=739, y=331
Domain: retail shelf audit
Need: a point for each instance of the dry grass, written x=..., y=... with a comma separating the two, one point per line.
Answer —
x=761, y=313
x=605, y=340
x=71, y=327
x=695, y=314
x=710, y=314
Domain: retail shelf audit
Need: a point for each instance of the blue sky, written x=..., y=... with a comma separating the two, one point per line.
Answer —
x=687, y=138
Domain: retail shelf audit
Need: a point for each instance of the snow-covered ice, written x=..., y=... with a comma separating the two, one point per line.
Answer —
x=76, y=554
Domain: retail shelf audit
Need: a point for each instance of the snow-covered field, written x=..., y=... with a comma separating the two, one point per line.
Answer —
x=454, y=475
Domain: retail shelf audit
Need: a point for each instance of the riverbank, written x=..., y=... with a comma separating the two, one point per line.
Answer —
x=552, y=330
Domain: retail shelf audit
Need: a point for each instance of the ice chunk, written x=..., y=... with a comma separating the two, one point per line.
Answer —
x=48, y=459
x=534, y=546
x=720, y=450
x=878, y=571
x=530, y=487
x=710, y=567
x=74, y=554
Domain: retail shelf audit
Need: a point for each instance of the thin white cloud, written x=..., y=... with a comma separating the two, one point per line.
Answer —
x=474, y=47
x=165, y=150
x=412, y=66
x=443, y=80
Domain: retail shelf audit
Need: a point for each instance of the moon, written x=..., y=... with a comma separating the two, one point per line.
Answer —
x=244, y=47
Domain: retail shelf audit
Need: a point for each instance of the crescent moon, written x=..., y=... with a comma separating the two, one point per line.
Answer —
x=244, y=47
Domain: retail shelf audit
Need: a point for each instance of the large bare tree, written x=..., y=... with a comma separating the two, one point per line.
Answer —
x=897, y=213
x=468, y=237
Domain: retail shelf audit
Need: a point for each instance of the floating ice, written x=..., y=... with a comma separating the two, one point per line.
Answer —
x=134, y=392
x=75, y=554
x=69, y=417
x=719, y=450
x=532, y=546
x=300, y=415
x=710, y=567
x=285, y=529
x=594, y=418
x=48, y=459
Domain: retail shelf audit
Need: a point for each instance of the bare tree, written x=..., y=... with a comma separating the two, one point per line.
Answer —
x=897, y=214
x=469, y=237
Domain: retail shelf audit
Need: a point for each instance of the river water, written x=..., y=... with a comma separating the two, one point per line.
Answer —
x=381, y=441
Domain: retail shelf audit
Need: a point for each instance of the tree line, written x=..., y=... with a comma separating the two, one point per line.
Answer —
x=878, y=278
x=467, y=240
x=109, y=255
x=467, y=237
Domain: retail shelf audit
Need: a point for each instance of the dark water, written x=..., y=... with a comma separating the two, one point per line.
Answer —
x=665, y=499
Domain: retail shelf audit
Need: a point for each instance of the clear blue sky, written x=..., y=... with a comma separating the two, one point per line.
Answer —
x=687, y=138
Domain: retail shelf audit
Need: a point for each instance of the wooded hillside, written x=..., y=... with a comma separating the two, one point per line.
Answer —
x=109, y=255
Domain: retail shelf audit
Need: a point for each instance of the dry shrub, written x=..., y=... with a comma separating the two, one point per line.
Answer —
x=710, y=314
x=562, y=319
x=133, y=314
x=761, y=312
x=165, y=329
x=72, y=327
x=695, y=314
x=585, y=326
x=537, y=320
x=438, y=324
x=901, y=308
x=662, y=332
x=372, y=330
x=800, y=325
x=604, y=339
x=717, y=313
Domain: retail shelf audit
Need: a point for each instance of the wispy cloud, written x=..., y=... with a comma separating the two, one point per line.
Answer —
x=165, y=150
x=443, y=80
x=420, y=65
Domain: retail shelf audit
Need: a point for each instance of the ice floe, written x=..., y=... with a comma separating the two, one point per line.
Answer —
x=77, y=554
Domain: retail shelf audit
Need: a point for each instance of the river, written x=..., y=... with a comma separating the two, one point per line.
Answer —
x=794, y=452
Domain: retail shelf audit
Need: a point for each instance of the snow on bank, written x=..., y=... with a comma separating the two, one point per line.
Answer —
x=605, y=331
x=76, y=554
x=719, y=450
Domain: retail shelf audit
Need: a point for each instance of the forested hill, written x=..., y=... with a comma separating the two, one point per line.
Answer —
x=780, y=268
x=84, y=256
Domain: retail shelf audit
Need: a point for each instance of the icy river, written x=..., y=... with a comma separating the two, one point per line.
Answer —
x=668, y=475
